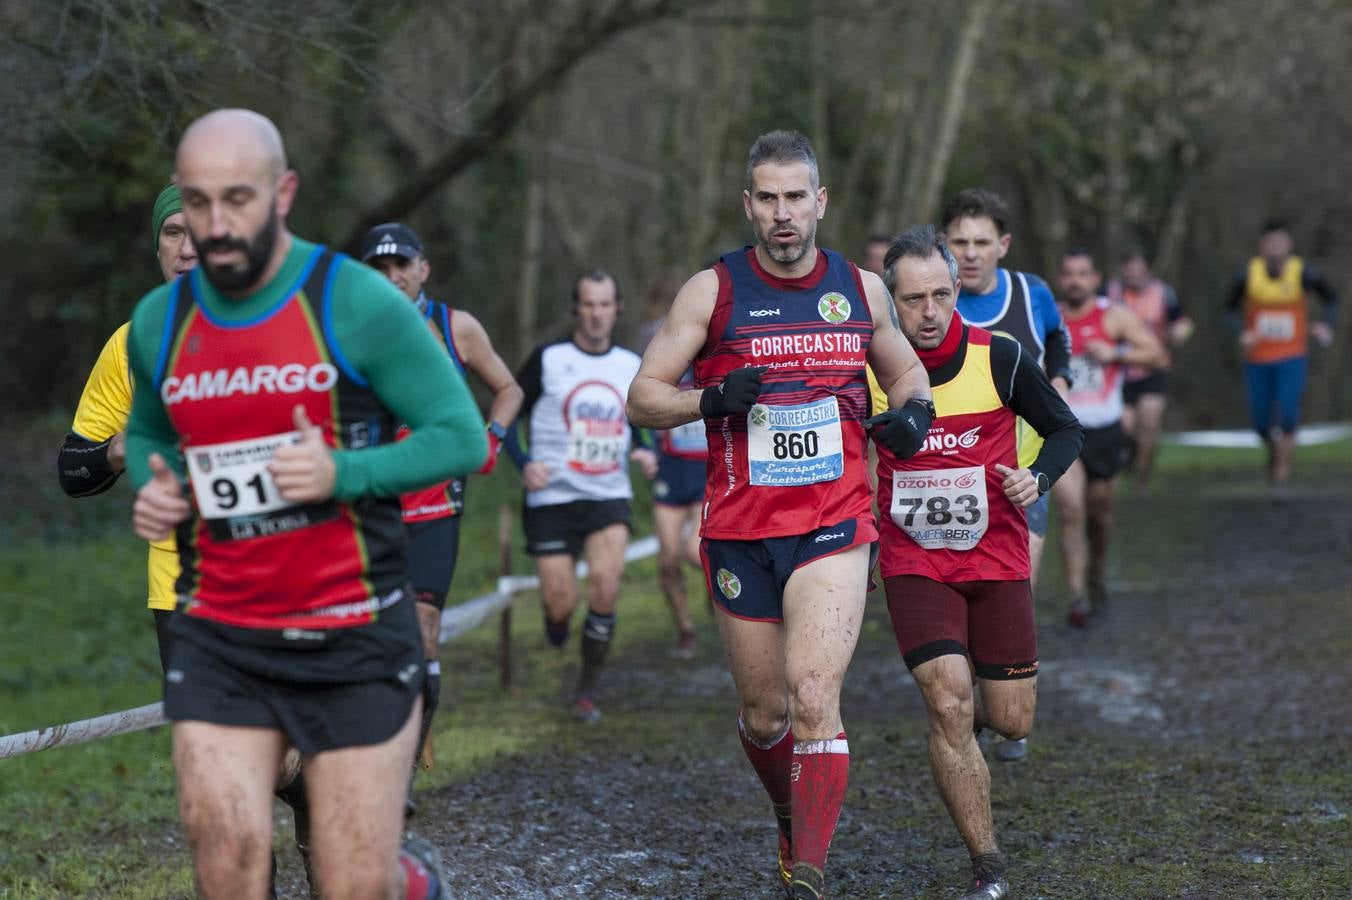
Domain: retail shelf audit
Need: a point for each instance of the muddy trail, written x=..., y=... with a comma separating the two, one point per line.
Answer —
x=1196, y=741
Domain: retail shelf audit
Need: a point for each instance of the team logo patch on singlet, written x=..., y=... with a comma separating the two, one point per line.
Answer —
x=941, y=508
x=728, y=584
x=793, y=445
x=834, y=307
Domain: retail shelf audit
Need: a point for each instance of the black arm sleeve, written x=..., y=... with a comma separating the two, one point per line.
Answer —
x=82, y=466
x=1027, y=391
x=1313, y=280
x=1056, y=355
x=1173, y=308
x=531, y=379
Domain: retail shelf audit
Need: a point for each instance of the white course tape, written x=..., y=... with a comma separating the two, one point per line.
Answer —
x=1308, y=435
x=455, y=621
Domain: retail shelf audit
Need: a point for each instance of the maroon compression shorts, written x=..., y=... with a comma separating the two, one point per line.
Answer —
x=989, y=621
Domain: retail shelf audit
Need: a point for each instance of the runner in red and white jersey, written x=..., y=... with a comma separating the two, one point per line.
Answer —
x=1104, y=339
x=432, y=515
x=779, y=334
x=1144, y=391
x=954, y=548
x=678, y=500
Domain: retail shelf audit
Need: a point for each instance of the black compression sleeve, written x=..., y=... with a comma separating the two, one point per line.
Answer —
x=1237, y=289
x=1173, y=309
x=1027, y=391
x=82, y=466
x=1056, y=354
x=1313, y=280
x=531, y=379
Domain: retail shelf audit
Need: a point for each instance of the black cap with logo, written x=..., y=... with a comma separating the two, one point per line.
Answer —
x=390, y=239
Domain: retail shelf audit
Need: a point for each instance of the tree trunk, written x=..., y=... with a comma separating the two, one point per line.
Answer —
x=950, y=117
x=528, y=284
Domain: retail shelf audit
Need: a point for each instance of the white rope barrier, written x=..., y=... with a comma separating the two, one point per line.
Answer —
x=1307, y=436
x=455, y=622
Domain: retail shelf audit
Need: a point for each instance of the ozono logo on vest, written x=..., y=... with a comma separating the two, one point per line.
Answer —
x=216, y=384
x=946, y=440
x=921, y=481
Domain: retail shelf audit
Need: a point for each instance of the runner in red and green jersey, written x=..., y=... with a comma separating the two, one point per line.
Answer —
x=274, y=376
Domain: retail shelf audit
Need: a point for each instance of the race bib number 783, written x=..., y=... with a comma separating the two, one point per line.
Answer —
x=941, y=509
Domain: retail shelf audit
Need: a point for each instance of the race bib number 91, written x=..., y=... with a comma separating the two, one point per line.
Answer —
x=236, y=494
x=941, y=509
x=793, y=445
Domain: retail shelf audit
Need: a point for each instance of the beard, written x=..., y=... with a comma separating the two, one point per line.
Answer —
x=787, y=254
x=257, y=251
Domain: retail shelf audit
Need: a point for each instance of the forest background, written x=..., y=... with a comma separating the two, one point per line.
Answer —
x=528, y=140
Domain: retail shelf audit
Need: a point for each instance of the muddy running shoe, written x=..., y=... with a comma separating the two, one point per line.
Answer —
x=1007, y=751
x=809, y=882
x=428, y=856
x=1078, y=614
x=585, y=711
x=987, y=890
x=685, y=646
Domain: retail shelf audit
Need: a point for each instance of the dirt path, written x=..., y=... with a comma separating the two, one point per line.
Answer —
x=1193, y=743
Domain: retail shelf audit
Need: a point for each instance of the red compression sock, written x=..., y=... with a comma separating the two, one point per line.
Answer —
x=773, y=763
x=821, y=770
x=420, y=882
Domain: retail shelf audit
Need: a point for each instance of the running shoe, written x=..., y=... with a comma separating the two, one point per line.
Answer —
x=585, y=711
x=987, y=890
x=809, y=883
x=1078, y=614
x=1008, y=751
x=429, y=856
x=685, y=646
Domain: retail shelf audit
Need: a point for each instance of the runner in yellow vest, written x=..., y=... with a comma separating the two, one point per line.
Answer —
x=1272, y=296
x=93, y=454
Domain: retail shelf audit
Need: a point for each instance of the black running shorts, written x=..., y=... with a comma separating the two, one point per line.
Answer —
x=565, y=527
x=1105, y=450
x=433, y=546
x=1157, y=382
x=341, y=687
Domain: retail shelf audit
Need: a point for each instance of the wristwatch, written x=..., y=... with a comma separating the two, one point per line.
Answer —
x=929, y=405
x=1044, y=484
x=497, y=431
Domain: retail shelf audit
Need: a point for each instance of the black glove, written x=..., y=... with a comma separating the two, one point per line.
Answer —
x=903, y=430
x=734, y=395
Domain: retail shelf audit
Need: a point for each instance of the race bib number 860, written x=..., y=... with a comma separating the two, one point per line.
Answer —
x=793, y=445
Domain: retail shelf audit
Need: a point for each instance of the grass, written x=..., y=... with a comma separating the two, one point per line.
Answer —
x=99, y=819
x=96, y=819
